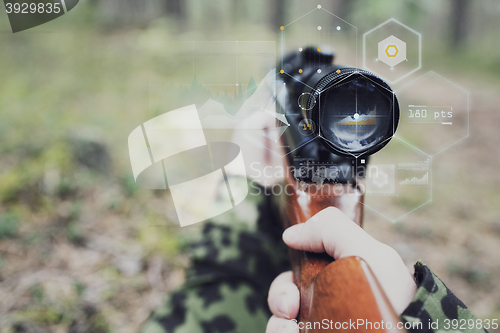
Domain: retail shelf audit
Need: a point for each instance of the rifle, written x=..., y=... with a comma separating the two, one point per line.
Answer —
x=338, y=117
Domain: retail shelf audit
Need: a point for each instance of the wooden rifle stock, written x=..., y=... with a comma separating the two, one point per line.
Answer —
x=341, y=292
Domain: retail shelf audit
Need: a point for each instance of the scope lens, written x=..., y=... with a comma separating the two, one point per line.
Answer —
x=356, y=114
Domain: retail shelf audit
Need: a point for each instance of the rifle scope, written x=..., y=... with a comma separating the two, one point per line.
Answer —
x=336, y=113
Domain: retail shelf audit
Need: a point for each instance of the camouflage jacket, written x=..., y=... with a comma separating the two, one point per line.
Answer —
x=236, y=257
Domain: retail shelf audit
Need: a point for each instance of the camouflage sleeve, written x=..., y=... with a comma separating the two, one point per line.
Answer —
x=233, y=263
x=436, y=309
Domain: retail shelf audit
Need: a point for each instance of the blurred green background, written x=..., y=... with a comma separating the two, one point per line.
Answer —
x=83, y=249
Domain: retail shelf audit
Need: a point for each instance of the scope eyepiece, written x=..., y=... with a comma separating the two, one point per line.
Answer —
x=356, y=112
x=351, y=112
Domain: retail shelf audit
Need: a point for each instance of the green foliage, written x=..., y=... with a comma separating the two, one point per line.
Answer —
x=9, y=225
x=37, y=292
x=74, y=233
x=20, y=180
x=129, y=185
x=58, y=155
x=156, y=237
x=44, y=315
x=473, y=275
x=24, y=181
x=79, y=288
x=2, y=262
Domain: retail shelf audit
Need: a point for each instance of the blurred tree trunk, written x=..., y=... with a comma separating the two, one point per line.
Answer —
x=459, y=19
x=237, y=10
x=176, y=8
x=342, y=8
x=277, y=9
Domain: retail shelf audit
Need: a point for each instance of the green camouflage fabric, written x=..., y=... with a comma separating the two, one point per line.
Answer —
x=436, y=309
x=235, y=258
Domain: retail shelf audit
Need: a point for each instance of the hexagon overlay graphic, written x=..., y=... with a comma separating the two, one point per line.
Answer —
x=390, y=44
x=398, y=180
x=392, y=51
x=434, y=113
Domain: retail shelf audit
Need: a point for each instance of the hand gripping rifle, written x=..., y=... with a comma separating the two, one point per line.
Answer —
x=338, y=117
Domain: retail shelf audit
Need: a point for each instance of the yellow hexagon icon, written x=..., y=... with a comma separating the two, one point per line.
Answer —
x=391, y=51
x=394, y=51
